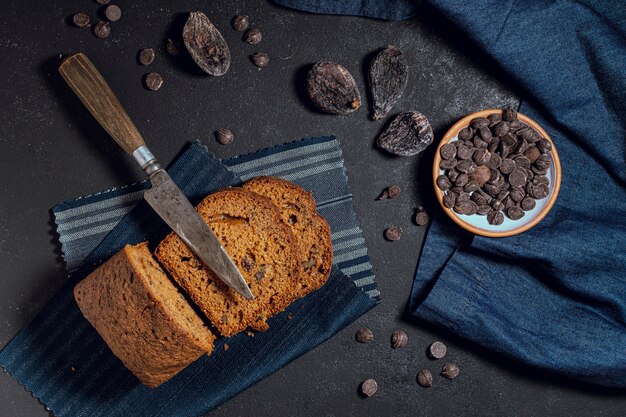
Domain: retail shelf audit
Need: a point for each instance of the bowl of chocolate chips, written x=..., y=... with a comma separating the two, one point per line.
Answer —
x=496, y=173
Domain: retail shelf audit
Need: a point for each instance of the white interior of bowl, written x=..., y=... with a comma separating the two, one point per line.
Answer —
x=477, y=220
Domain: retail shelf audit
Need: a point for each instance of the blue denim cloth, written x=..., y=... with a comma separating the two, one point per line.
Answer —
x=555, y=296
x=380, y=9
x=61, y=359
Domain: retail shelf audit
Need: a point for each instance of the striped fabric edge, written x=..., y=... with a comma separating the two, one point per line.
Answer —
x=98, y=213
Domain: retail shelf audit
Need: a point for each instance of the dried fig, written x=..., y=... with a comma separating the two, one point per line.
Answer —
x=408, y=134
x=388, y=77
x=205, y=43
x=333, y=89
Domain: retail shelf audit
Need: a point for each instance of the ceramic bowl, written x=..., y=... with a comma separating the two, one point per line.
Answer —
x=478, y=224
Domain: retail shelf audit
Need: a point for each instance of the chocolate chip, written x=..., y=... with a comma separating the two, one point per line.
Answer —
x=113, y=13
x=528, y=204
x=449, y=199
x=399, y=339
x=447, y=164
x=450, y=370
x=464, y=165
x=241, y=22
x=463, y=152
x=146, y=56
x=507, y=166
x=253, y=36
x=393, y=233
x=517, y=178
x=479, y=122
x=443, y=183
x=102, y=30
x=364, y=335
x=369, y=387
x=438, y=350
x=544, y=145
x=425, y=378
x=494, y=118
x=508, y=114
x=466, y=133
x=421, y=217
x=153, y=81
x=514, y=213
x=81, y=20
x=224, y=136
x=501, y=129
x=495, y=218
x=260, y=59
x=448, y=151
x=390, y=192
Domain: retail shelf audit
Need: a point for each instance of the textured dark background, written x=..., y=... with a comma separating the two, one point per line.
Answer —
x=51, y=150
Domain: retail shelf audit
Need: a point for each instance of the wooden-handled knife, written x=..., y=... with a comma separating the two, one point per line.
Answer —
x=165, y=197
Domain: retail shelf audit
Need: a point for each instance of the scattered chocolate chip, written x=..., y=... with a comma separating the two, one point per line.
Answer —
x=260, y=59
x=102, y=30
x=113, y=13
x=450, y=370
x=153, y=81
x=425, y=378
x=146, y=56
x=437, y=350
x=253, y=36
x=364, y=335
x=224, y=136
x=369, y=387
x=389, y=192
x=81, y=20
x=241, y=22
x=421, y=217
x=393, y=233
x=399, y=339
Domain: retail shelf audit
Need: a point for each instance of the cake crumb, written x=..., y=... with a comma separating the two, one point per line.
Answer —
x=73, y=369
x=250, y=333
x=289, y=316
x=225, y=347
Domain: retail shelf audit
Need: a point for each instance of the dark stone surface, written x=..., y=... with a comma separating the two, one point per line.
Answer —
x=52, y=150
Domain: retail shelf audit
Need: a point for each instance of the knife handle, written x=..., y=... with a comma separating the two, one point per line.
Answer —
x=91, y=88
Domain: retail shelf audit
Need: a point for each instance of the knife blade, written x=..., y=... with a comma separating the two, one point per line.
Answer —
x=164, y=197
x=175, y=209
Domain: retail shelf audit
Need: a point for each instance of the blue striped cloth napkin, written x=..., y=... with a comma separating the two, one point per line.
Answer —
x=65, y=364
